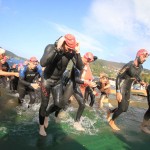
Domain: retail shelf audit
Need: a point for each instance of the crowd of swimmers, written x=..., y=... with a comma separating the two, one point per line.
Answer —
x=50, y=75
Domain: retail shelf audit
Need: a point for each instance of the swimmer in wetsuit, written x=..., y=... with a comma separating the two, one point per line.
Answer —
x=129, y=73
x=26, y=83
x=104, y=86
x=6, y=68
x=55, y=60
x=5, y=73
x=88, y=91
x=73, y=88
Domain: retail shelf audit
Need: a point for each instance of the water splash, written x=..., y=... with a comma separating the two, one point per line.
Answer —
x=3, y=131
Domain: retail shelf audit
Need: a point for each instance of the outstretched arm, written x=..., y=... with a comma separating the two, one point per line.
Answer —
x=4, y=73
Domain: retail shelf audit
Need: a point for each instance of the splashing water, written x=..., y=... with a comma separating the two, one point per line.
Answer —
x=19, y=129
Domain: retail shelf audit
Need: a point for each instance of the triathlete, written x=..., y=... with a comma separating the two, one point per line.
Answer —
x=129, y=73
x=6, y=68
x=73, y=88
x=86, y=72
x=55, y=60
x=5, y=73
x=104, y=86
x=26, y=83
x=89, y=91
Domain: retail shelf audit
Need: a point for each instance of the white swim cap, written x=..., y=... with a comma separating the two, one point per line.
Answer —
x=2, y=51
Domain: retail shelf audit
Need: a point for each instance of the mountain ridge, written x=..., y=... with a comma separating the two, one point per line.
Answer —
x=100, y=65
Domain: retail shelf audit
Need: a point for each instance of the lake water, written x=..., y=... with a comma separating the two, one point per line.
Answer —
x=19, y=129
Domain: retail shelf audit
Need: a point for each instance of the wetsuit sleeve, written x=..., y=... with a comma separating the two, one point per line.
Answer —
x=99, y=85
x=78, y=79
x=39, y=70
x=121, y=75
x=79, y=63
x=48, y=56
x=22, y=76
x=77, y=75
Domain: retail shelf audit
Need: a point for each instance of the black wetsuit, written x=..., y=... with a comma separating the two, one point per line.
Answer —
x=73, y=88
x=127, y=74
x=147, y=114
x=26, y=77
x=14, y=80
x=89, y=92
x=5, y=67
x=55, y=63
x=3, y=79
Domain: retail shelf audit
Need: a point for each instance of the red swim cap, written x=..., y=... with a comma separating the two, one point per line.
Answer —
x=141, y=52
x=70, y=41
x=89, y=56
x=33, y=59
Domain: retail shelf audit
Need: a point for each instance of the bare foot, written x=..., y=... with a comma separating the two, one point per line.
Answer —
x=46, y=122
x=145, y=123
x=63, y=115
x=113, y=125
x=78, y=126
x=101, y=106
x=145, y=129
x=42, y=131
x=108, y=115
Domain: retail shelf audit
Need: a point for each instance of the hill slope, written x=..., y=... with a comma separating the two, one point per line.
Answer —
x=100, y=65
x=12, y=55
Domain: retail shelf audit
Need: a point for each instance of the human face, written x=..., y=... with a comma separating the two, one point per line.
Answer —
x=104, y=79
x=33, y=64
x=143, y=58
x=3, y=61
x=86, y=61
x=2, y=56
x=67, y=49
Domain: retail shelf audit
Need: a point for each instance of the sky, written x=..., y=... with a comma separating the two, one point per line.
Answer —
x=112, y=30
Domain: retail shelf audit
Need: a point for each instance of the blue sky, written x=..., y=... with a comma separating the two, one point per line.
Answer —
x=111, y=29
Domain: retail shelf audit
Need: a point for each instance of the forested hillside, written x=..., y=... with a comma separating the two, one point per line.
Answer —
x=109, y=67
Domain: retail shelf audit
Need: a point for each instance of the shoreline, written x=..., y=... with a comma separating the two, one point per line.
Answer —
x=12, y=101
x=134, y=92
x=114, y=103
